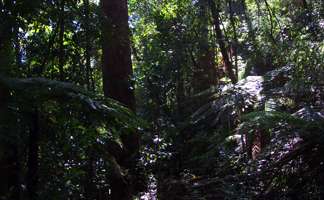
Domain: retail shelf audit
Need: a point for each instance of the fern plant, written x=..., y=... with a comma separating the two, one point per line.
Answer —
x=79, y=135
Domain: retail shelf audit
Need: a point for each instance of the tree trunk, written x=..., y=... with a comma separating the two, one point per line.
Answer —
x=117, y=83
x=221, y=41
x=235, y=40
x=205, y=72
x=117, y=64
x=89, y=78
x=6, y=36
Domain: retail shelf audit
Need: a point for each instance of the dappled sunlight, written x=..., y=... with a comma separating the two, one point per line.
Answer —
x=161, y=99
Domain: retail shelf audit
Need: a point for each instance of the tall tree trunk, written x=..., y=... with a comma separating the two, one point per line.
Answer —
x=221, y=41
x=89, y=79
x=235, y=40
x=117, y=64
x=117, y=75
x=6, y=36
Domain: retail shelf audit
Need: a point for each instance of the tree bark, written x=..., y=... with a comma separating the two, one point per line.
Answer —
x=221, y=41
x=205, y=72
x=235, y=40
x=117, y=84
x=6, y=36
x=89, y=78
x=117, y=64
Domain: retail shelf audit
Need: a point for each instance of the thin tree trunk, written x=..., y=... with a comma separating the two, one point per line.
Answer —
x=6, y=36
x=271, y=22
x=234, y=46
x=89, y=80
x=221, y=41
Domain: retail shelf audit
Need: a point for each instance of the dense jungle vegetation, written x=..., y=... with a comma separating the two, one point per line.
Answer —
x=161, y=99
